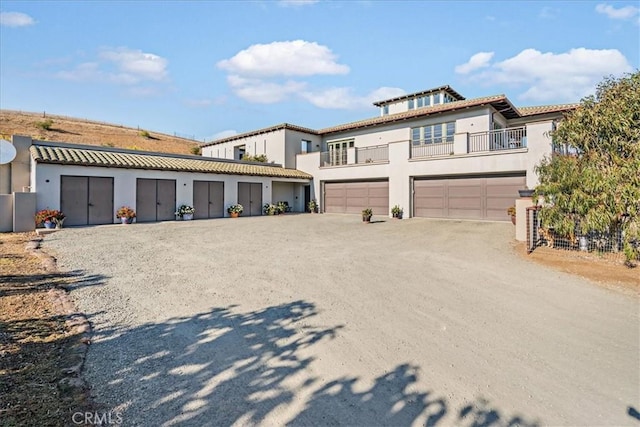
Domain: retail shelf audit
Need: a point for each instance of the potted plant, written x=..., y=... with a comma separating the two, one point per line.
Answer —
x=525, y=192
x=367, y=214
x=269, y=209
x=282, y=207
x=396, y=212
x=313, y=206
x=185, y=212
x=235, y=210
x=126, y=214
x=50, y=218
x=512, y=212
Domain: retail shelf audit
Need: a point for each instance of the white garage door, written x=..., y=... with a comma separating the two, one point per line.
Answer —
x=466, y=198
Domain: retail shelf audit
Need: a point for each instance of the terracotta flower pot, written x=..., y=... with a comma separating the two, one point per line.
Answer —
x=234, y=214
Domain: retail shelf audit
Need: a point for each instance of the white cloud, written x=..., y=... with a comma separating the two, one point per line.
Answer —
x=263, y=91
x=121, y=66
x=563, y=77
x=623, y=13
x=288, y=58
x=224, y=134
x=477, y=61
x=15, y=19
x=296, y=3
x=344, y=98
x=135, y=65
x=264, y=74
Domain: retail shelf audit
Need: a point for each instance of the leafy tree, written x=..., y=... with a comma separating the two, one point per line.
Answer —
x=594, y=184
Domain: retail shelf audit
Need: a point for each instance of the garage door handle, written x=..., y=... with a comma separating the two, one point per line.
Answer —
x=90, y=204
x=158, y=203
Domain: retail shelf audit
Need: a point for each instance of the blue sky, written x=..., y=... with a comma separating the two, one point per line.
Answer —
x=213, y=68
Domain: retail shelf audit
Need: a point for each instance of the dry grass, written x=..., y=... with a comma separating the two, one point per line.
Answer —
x=33, y=339
x=612, y=274
x=64, y=129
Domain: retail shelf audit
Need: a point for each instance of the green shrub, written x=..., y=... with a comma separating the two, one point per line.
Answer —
x=197, y=151
x=45, y=125
x=145, y=134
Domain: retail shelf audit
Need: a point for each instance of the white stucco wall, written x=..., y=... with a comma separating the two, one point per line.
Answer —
x=47, y=181
x=269, y=143
x=401, y=167
x=539, y=145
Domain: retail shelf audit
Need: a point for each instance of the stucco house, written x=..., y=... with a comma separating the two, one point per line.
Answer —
x=89, y=183
x=433, y=153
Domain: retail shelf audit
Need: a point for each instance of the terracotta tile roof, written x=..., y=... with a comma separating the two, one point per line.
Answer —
x=261, y=131
x=500, y=102
x=86, y=156
x=543, y=109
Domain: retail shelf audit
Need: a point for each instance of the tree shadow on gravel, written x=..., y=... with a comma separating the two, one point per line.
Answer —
x=30, y=283
x=229, y=367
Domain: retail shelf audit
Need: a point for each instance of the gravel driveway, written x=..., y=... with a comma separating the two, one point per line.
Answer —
x=323, y=320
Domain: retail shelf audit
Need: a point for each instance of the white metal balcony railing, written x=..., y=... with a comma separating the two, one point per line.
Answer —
x=500, y=139
x=375, y=154
x=432, y=149
x=333, y=158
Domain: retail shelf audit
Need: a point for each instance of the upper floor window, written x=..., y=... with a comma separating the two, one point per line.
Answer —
x=411, y=104
x=437, y=98
x=433, y=134
x=305, y=146
x=385, y=110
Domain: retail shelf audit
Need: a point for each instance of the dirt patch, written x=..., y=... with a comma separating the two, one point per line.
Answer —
x=40, y=356
x=66, y=129
x=612, y=274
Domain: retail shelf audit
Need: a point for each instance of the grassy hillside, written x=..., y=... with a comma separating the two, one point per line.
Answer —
x=79, y=131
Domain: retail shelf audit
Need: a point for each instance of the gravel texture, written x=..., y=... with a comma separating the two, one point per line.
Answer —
x=324, y=320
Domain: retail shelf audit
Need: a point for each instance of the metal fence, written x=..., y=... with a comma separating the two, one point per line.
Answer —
x=44, y=114
x=432, y=150
x=607, y=245
x=375, y=154
x=500, y=139
x=333, y=158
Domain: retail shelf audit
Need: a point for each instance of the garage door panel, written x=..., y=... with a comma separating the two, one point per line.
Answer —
x=216, y=199
x=465, y=190
x=101, y=200
x=465, y=203
x=466, y=198
x=201, y=199
x=145, y=200
x=352, y=197
x=465, y=213
x=74, y=198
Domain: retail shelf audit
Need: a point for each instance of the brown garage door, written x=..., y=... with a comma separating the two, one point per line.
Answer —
x=466, y=198
x=208, y=199
x=87, y=200
x=155, y=199
x=353, y=197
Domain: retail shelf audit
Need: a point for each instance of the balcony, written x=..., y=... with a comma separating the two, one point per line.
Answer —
x=498, y=140
x=375, y=154
x=443, y=147
x=354, y=156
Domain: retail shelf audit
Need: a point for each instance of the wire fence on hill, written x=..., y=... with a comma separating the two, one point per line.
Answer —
x=44, y=114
